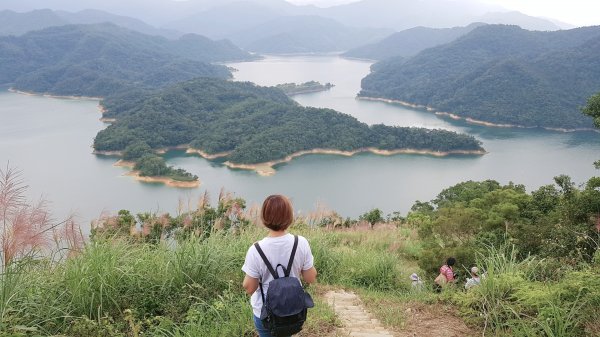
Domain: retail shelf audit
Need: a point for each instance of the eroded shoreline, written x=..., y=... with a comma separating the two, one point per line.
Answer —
x=163, y=180
x=31, y=93
x=267, y=168
x=469, y=119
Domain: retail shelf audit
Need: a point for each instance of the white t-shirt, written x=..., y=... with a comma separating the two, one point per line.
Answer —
x=277, y=251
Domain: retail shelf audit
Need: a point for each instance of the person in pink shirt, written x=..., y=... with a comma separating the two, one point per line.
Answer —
x=448, y=270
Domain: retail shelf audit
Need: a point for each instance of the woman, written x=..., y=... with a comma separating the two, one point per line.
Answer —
x=277, y=215
x=448, y=270
x=446, y=275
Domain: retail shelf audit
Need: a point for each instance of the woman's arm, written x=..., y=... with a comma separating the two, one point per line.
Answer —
x=250, y=284
x=310, y=275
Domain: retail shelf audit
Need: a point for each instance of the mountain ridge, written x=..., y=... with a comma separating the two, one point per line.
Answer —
x=501, y=75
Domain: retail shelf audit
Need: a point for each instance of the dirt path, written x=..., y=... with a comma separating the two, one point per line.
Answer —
x=434, y=321
x=421, y=320
x=356, y=320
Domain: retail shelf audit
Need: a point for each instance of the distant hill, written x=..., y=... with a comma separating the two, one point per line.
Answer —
x=224, y=20
x=500, y=74
x=303, y=34
x=14, y=23
x=405, y=14
x=389, y=14
x=96, y=60
x=92, y=16
x=409, y=42
x=519, y=19
x=252, y=124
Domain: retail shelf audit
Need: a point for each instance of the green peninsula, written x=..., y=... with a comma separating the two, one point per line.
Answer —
x=292, y=89
x=249, y=126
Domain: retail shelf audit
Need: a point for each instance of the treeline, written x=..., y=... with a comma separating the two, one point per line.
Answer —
x=500, y=74
x=104, y=59
x=254, y=124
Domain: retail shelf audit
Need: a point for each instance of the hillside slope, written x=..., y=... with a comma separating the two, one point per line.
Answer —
x=409, y=42
x=96, y=60
x=500, y=74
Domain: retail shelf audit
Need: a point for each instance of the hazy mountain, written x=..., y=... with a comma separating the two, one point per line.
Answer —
x=222, y=21
x=303, y=34
x=156, y=12
x=101, y=59
x=91, y=16
x=519, y=19
x=390, y=14
x=500, y=74
x=404, y=14
x=13, y=23
x=409, y=42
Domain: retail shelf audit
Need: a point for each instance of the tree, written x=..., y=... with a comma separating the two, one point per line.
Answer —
x=592, y=109
x=372, y=217
x=136, y=150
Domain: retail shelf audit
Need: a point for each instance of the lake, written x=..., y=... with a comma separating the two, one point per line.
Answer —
x=50, y=140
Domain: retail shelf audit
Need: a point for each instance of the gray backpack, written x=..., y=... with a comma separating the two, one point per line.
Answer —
x=285, y=306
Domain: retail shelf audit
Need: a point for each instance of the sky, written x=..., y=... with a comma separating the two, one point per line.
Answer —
x=577, y=12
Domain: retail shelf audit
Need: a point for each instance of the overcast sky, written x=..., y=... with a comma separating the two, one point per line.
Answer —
x=577, y=12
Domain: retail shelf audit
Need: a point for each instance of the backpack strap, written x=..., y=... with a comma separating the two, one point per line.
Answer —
x=264, y=258
x=289, y=267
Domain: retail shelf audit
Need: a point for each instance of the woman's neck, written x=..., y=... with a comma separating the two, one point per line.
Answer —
x=276, y=234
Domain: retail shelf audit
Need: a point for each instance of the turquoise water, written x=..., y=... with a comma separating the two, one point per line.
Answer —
x=50, y=141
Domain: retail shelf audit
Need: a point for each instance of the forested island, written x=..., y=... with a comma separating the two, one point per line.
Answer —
x=292, y=89
x=252, y=127
x=499, y=75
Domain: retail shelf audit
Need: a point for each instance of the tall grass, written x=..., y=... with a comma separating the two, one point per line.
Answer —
x=510, y=300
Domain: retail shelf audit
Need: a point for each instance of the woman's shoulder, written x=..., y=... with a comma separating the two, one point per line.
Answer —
x=301, y=239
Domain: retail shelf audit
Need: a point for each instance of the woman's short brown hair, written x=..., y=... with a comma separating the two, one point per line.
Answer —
x=277, y=213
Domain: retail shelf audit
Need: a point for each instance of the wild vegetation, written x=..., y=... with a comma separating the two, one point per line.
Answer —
x=499, y=74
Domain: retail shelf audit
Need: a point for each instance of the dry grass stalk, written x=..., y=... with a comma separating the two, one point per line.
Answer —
x=27, y=228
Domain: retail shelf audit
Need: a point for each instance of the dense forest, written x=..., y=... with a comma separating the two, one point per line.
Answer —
x=500, y=74
x=103, y=59
x=253, y=124
x=409, y=42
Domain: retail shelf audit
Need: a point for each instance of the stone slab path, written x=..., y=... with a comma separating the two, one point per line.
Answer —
x=357, y=322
